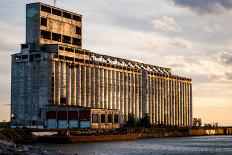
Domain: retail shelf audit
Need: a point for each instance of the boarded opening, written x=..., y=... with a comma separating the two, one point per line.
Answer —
x=95, y=118
x=56, y=12
x=84, y=115
x=45, y=9
x=44, y=21
x=51, y=115
x=45, y=34
x=66, y=39
x=72, y=115
x=62, y=115
x=56, y=37
x=67, y=15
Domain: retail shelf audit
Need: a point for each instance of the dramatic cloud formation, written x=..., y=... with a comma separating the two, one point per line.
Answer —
x=206, y=6
x=166, y=24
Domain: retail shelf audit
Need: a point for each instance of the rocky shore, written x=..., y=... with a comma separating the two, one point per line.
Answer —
x=20, y=142
x=8, y=148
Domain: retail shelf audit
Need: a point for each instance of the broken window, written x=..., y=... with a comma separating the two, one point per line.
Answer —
x=24, y=56
x=94, y=118
x=115, y=118
x=37, y=56
x=61, y=48
x=56, y=12
x=23, y=46
x=69, y=49
x=78, y=30
x=66, y=39
x=76, y=41
x=67, y=15
x=110, y=118
x=45, y=9
x=77, y=18
x=63, y=100
x=44, y=21
x=45, y=34
x=103, y=118
x=56, y=37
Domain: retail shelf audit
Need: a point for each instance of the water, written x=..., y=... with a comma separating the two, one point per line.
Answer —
x=156, y=146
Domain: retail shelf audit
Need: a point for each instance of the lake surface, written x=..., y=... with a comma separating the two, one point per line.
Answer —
x=155, y=146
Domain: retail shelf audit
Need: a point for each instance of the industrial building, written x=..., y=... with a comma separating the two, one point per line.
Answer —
x=53, y=75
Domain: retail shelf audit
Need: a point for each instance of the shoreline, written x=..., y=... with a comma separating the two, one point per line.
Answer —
x=22, y=141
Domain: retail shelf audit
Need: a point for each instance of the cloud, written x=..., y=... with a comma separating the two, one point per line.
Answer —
x=166, y=24
x=224, y=78
x=225, y=58
x=179, y=42
x=206, y=6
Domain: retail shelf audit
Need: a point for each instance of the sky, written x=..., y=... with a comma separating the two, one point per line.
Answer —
x=193, y=37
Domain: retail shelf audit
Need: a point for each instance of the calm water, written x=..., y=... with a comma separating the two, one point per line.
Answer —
x=157, y=146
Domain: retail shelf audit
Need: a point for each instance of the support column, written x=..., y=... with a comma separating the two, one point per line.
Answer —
x=93, y=82
x=79, y=102
x=114, y=90
x=110, y=89
x=68, y=84
x=58, y=81
x=126, y=96
x=106, y=89
x=133, y=94
x=63, y=82
x=73, y=83
x=122, y=103
x=97, y=87
x=102, y=88
x=83, y=86
x=156, y=100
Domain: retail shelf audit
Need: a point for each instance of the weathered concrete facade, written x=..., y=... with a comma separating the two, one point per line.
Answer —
x=62, y=74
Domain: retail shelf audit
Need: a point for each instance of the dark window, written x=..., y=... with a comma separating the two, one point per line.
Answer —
x=94, y=118
x=45, y=9
x=69, y=49
x=77, y=18
x=56, y=37
x=78, y=30
x=24, y=56
x=67, y=15
x=17, y=57
x=45, y=34
x=56, y=12
x=62, y=100
x=37, y=55
x=61, y=48
x=110, y=119
x=103, y=118
x=66, y=39
x=76, y=41
x=115, y=118
x=24, y=46
x=44, y=21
